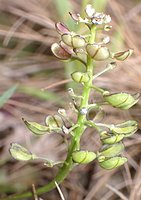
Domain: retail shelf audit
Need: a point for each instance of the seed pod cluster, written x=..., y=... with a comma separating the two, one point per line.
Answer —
x=109, y=156
x=112, y=144
x=117, y=132
x=75, y=41
x=98, y=52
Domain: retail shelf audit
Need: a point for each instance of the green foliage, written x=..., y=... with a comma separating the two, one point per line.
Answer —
x=7, y=95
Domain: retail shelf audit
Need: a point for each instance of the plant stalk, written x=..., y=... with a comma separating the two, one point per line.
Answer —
x=77, y=133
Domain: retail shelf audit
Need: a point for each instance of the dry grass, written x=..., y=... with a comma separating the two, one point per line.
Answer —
x=26, y=33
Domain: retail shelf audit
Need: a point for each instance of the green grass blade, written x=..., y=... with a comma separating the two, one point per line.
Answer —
x=43, y=95
x=7, y=95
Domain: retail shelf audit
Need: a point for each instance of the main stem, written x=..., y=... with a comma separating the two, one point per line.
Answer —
x=75, y=142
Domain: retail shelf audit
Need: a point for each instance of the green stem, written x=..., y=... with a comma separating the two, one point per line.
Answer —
x=98, y=89
x=77, y=133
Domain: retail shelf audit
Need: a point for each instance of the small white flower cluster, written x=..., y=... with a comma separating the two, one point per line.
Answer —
x=93, y=17
x=96, y=17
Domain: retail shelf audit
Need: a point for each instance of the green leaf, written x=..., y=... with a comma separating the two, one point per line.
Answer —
x=7, y=95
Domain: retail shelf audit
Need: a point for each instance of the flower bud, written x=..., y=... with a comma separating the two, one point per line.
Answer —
x=54, y=121
x=112, y=163
x=108, y=138
x=107, y=28
x=83, y=157
x=98, y=52
x=127, y=128
x=75, y=16
x=60, y=52
x=75, y=41
x=123, y=55
x=20, y=153
x=61, y=28
x=36, y=128
x=80, y=77
x=62, y=112
x=122, y=100
x=111, y=150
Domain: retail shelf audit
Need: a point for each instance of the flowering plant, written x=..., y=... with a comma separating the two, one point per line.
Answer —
x=88, y=51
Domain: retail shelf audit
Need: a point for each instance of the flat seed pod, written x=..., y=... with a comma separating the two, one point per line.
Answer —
x=54, y=121
x=60, y=52
x=124, y=130
x=112, y=150
x=36, y=128
x=108, y=138
x=112, y=163
x=75, y=41
x=67, y=39
x=102, y=54
x=83, y=157
x=127, y=124
x=67, y=48
x=123, y=55
x=92, y=49
x=80, y=77
x=61, y=28
x=20, y=153
x=78, y=41
x=121, y=100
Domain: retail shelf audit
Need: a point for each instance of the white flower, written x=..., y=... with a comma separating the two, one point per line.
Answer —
x=101, y=18
x=107, y=19
x=89, y=10
x=106, y=40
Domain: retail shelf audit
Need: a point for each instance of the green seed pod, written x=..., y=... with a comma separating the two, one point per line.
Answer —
x=78, y=41
x=80, y=77
x=108, y=138
x=112, y=163
x=54, y=122
x=123, y=55
x=75, y=41
x=20, y=153
x=98, y=52
x=122, y=100
x=111, y=150
x=36, y=128
x=127, y=128
x=83, y=157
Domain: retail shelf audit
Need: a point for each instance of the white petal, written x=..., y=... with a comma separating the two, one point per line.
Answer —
x=89, y=10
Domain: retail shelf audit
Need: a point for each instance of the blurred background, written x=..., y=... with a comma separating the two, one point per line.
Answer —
x=33, y=84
